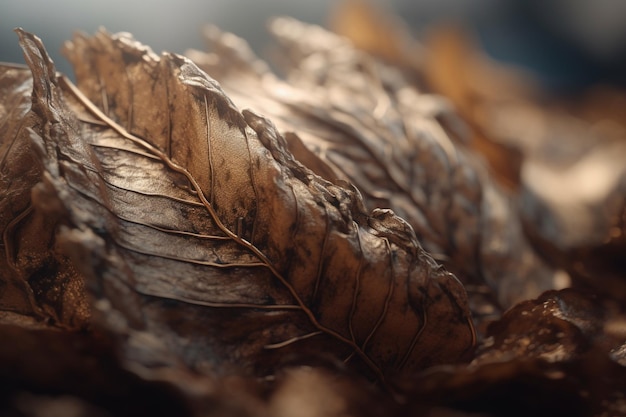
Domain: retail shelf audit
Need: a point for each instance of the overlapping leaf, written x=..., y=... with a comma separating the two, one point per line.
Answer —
x=565, y=155
x=35, y=279
x=201, y=238
x=560, y=354
x=369, y=124
x=207, y=249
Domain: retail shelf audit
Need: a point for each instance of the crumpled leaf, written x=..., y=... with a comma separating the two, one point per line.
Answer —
x=35, y=278
x=205, y=244
x=559, y=354
x=572, y=177
x=370, y=125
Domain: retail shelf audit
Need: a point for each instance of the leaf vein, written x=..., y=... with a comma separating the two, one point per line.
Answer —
x=210, y=209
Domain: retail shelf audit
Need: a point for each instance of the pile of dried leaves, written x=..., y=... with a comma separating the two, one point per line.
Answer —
x=341, y=248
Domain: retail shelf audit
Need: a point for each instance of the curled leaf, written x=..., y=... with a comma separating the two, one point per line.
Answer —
x=559, y=354
x=203, y=241
x=36, y=279
x=569, y=154
x=369, y=124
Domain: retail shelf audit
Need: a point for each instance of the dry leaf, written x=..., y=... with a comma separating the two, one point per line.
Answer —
x=371, y=126
x=204, y=242
x=560, y=354
x=35, y=279
x=208, y=253
x=570, y=153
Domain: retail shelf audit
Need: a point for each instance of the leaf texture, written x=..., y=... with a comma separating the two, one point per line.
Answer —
x=564, y=351
x=35, y=278
x=119, y=220
x=369, y=124
x=569, y=156
x=204, y=242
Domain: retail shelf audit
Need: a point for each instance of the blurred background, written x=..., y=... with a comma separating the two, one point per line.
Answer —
x=567, y=43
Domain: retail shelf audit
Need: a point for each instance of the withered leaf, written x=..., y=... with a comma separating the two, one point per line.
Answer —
x=35, y=279
x=571, y=151
x=559, y=354
x=208, y=249
x=205, y=243
x=372, y=126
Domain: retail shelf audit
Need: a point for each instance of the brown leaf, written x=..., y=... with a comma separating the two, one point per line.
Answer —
x=372, y=127
x=35, y=278
x=211, y=255
x=570, y=153
x=205, y=243
x=558, y=354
